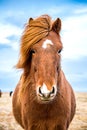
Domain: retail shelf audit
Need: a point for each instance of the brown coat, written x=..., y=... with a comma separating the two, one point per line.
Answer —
x=56, y=115
x=43, y=98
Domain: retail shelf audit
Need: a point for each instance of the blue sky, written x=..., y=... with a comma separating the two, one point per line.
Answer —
x=14, y=15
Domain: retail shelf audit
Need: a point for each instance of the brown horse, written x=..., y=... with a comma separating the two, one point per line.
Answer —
x=43, y=98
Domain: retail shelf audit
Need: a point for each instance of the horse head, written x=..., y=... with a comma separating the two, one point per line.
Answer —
x=41, y=60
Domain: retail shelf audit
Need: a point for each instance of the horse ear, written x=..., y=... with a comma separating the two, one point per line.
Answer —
x=56, y=25
x=30, y=19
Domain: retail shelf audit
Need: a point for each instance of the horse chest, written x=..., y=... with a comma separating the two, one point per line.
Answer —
x=44, y=111
x=46, y=127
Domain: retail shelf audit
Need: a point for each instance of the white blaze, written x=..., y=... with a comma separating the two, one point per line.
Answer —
x=46, y=43
x=44, y=89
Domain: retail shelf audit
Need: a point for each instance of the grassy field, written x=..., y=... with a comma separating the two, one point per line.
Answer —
x=7, y=121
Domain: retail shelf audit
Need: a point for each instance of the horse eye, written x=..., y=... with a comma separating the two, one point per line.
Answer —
x=59, y=51
x=32, y=51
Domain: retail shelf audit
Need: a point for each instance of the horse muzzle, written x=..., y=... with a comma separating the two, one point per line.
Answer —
x=46, y=95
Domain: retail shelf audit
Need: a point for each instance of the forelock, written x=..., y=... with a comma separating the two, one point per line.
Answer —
x=34, y=31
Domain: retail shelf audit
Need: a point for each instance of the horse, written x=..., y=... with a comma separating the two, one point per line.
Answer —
x=10, y=93
x=0, y=93
x=43, y=98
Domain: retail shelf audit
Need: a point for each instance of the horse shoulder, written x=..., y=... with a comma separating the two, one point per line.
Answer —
x=16, y=102
x=69, y=94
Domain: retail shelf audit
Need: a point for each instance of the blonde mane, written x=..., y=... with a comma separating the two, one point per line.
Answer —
x=35, y=30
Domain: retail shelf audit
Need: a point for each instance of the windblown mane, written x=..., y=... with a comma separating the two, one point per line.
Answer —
x=35, y=30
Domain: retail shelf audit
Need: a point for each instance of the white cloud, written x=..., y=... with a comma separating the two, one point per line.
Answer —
x=7, y=31
x=74, y=36
x=16, y=13
x=8, y=58
x=81, y=10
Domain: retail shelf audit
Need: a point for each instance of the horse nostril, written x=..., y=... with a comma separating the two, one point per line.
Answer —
x=40, y=90
x=53, y=91
x=40, y=93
